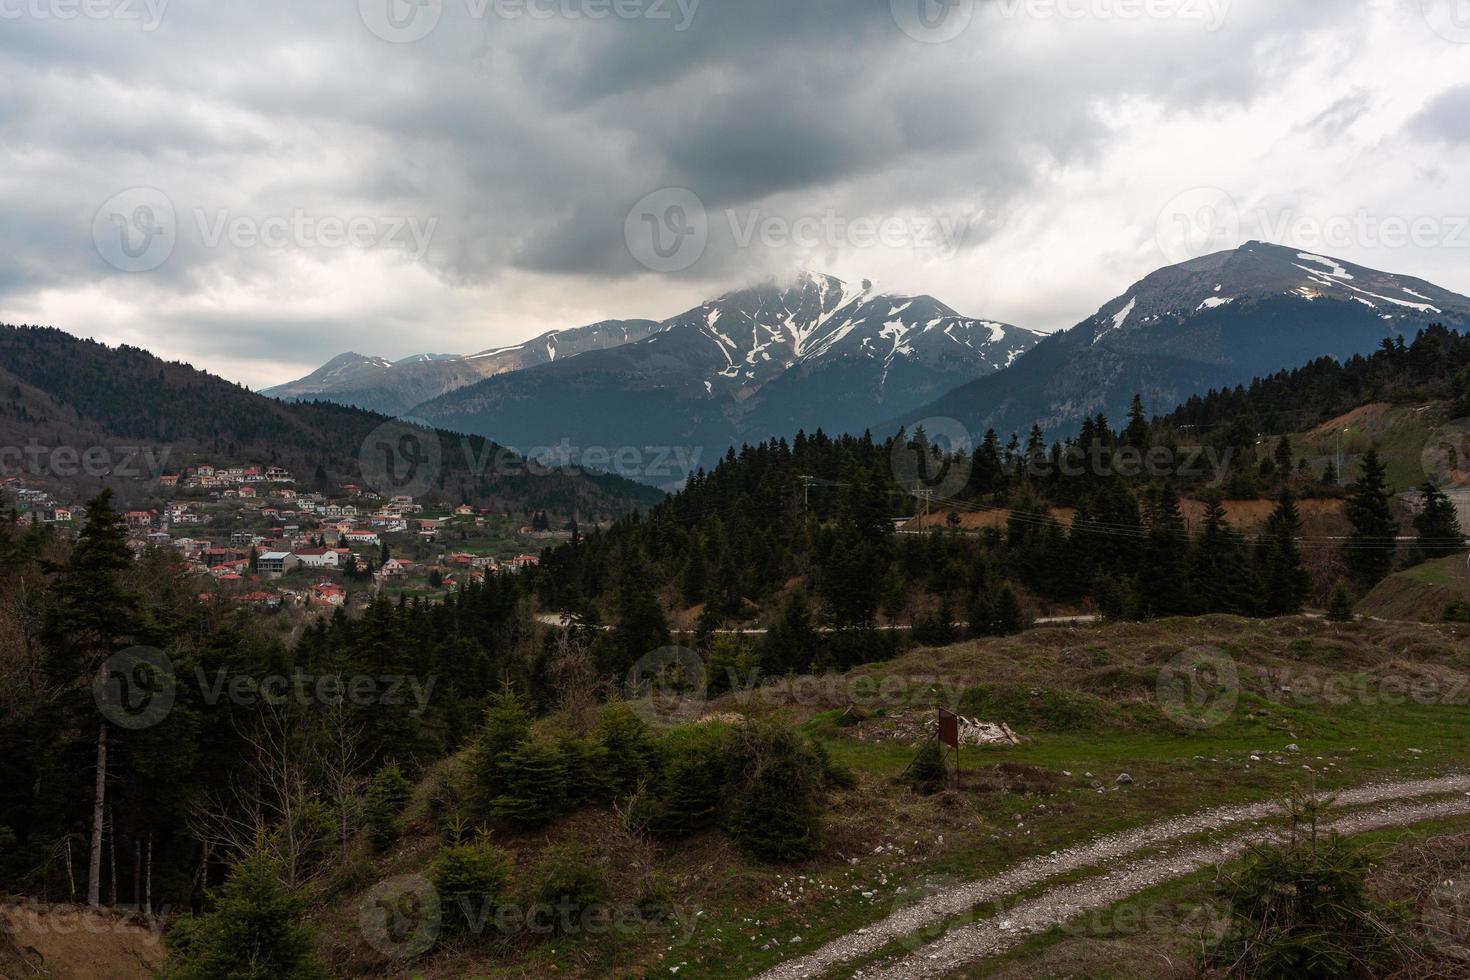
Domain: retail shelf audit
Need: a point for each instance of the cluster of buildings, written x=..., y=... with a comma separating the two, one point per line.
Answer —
x=289, y=536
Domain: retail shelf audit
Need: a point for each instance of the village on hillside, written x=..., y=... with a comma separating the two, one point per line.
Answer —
x=255, y=539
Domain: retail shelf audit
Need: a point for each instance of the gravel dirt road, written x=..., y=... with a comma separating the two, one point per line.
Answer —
x=980, y=939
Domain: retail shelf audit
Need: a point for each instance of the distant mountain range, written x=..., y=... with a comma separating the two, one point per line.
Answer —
x=395, y=387
x=817, y=352
x=1218, y=320
x=773, y=358
x=62, y=397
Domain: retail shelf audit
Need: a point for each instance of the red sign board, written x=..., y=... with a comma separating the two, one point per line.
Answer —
x=949, y=728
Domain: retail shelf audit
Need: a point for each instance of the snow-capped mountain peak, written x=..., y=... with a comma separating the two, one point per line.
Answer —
x=758, y=333
x=1260, y=271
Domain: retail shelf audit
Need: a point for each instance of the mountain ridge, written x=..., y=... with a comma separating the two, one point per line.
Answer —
x=768, y=359
x=1213, y=321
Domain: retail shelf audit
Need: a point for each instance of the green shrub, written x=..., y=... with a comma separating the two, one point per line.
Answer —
x=507, y=726
x=774, y=787
x=927, y=773
x=1340, y=606
x=631, y=751
x=387, y=795
x=573, y=882
x=534, y=781
x=255, y=932
x=1457, y=612
x=584, y=772
x=1301, y=910
x=693, y=763
x=835, y=775
x=471, y=880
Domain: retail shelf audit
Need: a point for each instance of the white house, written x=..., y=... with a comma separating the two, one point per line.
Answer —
x=319, y=558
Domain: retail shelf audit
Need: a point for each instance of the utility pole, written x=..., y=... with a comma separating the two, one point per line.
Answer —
x=925, y=494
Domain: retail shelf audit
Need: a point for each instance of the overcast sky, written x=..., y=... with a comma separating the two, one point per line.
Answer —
x=256, y=187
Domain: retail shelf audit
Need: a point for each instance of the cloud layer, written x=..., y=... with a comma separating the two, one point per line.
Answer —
x=394, y=176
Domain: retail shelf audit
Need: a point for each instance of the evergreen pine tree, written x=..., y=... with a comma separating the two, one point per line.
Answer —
x=774, y=782
x=1222, y=575
x=1438, y=524
x=1284, y=581
x=1371, y=546
x=1163, y=579
x=387, y=795
x=1008, y=615
x=792, y=644
x=507, y=726
x=1135, y=434
x=1284, y=456
x=534, y=777
x=1340, y=606
x=255, y=931
x=90, y=618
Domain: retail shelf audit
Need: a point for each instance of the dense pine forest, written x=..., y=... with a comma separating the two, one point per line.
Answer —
x=788, y=533
x=1435, y=366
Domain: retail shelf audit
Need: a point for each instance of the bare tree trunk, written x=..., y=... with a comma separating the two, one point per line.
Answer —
x=148, y=878
x=112, y=857
x=137, y=874
x=71, y=878
x=99, y=801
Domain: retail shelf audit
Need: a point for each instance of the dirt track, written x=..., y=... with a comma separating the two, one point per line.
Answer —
x=985, y=938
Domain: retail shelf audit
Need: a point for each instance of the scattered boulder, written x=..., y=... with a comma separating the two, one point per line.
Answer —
x=1124, y=779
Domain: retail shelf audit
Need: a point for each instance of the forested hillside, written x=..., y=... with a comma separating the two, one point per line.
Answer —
x=1094, y=520
x=1434, y=367
x=58, y=390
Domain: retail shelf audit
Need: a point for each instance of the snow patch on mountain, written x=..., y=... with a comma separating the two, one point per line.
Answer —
x=1119, y=318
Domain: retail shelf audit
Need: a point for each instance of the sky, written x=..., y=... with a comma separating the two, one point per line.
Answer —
x=257, y=187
